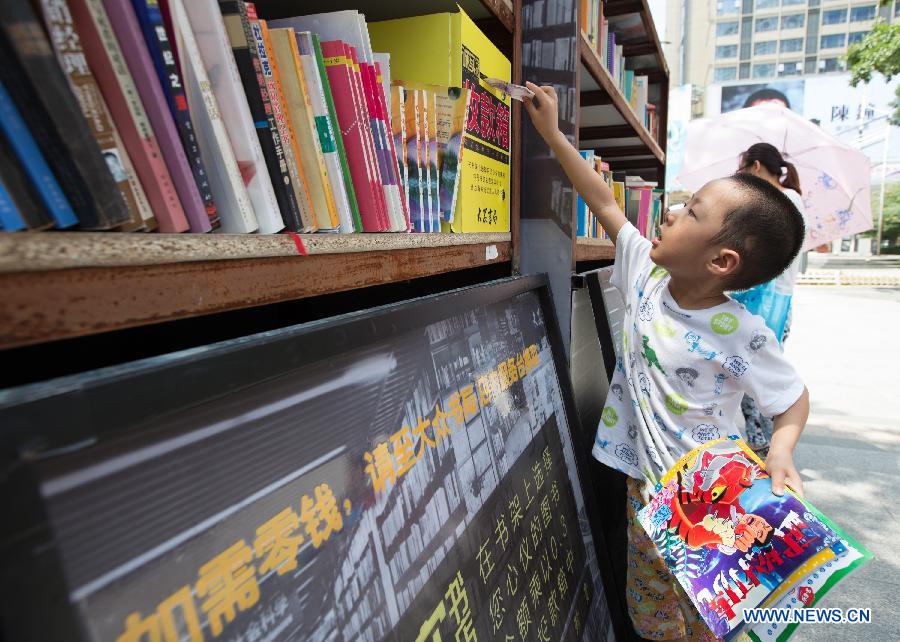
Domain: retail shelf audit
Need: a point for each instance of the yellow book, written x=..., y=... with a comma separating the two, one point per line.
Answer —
x=306, y=139
x=419, y=49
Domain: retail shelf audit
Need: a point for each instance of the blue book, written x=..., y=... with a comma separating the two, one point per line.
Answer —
x=582, y=211
x=10, y=219
x=26, y=150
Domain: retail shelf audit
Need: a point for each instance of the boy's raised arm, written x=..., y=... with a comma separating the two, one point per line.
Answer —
x=543, y=109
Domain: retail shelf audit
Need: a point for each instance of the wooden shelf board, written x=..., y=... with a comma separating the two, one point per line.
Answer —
x=587, y=249
x=604, y=80
x=41, y=251
x=47, y=305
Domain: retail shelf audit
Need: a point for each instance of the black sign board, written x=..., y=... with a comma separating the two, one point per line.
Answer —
x=408, y=473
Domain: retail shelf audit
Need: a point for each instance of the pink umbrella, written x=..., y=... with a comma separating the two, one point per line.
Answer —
x=834, y=178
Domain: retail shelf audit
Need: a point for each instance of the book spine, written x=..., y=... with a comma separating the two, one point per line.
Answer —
x=46, y=187
x=237, y=26
x=398, y=131
x=392, y=150
x=362, y=114
x=42, y=94
x=415, y=158
x=309, y=147
x=312, y=83
x=22, y=191
x=136, y=197
x=231, y=193
x=273, y=93
x=129, y=116
x=338, y=73
x=70, y=55
x=431, y=113
x=160, y=47
x=335, y=130
x=386, y=166
x=134, y=49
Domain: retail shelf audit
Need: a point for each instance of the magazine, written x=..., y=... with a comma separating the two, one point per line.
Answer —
x=733, y=544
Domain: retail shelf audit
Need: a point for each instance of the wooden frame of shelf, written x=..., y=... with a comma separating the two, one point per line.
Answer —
x=601, y=76
x=588, y=249
x=80, y=284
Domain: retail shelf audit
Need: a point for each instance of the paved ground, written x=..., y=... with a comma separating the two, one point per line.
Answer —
x=845, y=342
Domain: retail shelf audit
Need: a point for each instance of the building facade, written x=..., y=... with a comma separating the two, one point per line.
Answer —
x=731, y=40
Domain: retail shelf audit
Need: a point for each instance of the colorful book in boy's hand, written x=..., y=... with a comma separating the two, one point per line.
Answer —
x=734, y=545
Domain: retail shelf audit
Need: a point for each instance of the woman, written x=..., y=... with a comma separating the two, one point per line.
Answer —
x=771, y=300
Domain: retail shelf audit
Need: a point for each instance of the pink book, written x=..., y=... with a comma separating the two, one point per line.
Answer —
x=134, y=48
x=106, y=61
x=366, y=188
x=385, y=116
x=368, y=132
x=644, y=211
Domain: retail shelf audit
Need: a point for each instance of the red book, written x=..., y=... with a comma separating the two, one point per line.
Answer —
x=107, y=62
x=369, y=129
x=385, y=116
x=366, y=186
x=134, y=48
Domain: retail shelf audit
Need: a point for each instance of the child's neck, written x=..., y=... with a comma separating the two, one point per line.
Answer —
x=692, y=294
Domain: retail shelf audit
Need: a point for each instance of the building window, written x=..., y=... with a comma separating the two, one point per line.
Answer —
x=726, y=51
x=765, y=70
x=793, y=21
x=791, y=44
x=792, y=68
x=861, y=14
x=766, y=4
x=766, y=24
x=744, y=71
x=791, y=3
x=727, y=7
x=834, y=16
x=856, y=36
x=729, y=28
x=764, y=48
x=833, y=41
x=725, y=73
x=831, y=64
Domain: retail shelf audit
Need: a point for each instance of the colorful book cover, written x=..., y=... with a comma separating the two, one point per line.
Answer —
x=274, y=103
x=309, y=42
x=398, y=138
x=364, y=184
x=46, y=188
x=452, y=105
x=70, y=54
x=383, y=96
x=43, y=96
x=732, y=544
x=134, y=49
x=582, y=209
x=159, y=46
x=305, y=136
x=226, y=180
x=414, y=159
x=435, y=181
x=211, y=33
x=425, y=159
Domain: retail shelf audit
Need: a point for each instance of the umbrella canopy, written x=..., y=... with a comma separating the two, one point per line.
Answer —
x=834, y=177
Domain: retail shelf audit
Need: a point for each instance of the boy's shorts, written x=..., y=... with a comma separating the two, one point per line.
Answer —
x=659, y=608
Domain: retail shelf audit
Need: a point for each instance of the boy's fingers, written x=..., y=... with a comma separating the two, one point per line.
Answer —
x=793, y=480
x=778, y=482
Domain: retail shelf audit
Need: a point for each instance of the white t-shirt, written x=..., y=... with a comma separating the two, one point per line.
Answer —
x=784, y=282
x=681, y=374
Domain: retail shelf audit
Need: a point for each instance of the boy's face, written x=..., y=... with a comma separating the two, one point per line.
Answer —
x=684, y=246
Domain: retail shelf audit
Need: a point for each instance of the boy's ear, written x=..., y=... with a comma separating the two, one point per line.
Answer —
x=725, y=263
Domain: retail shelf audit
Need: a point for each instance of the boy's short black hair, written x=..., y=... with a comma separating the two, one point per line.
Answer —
x=766, y=229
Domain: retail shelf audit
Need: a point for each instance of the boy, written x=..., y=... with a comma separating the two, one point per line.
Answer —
x=689, y=352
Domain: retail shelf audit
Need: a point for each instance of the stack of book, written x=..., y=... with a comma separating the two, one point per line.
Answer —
x=198, y=115
x=602, y=36
x=641, y=201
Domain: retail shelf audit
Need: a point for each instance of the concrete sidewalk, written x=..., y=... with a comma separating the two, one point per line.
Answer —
x=845, y=342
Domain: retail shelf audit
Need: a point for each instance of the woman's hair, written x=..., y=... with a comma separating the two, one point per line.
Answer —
x=770, y=158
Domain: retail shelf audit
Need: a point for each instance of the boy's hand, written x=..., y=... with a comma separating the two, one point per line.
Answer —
x=544, y=110
x=780, y=466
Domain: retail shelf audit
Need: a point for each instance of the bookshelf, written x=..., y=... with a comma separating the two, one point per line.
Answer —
x=605, y=121
x=64, y=285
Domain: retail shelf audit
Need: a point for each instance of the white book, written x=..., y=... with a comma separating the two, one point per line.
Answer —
x=215, y=50
x=231, y=196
